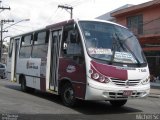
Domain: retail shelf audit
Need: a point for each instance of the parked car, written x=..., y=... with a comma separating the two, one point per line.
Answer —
x=2, y=70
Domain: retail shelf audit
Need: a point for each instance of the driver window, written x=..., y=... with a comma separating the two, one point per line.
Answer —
x=71, y=44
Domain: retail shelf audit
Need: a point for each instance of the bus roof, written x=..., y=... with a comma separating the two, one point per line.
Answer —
x=28, y=32
x=63, y=23
x=60, y=24
x=98, y=20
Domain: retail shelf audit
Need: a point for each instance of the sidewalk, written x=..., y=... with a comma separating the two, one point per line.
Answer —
x=155, y=90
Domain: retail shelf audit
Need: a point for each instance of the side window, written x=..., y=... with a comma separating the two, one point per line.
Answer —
x=27, y=40
x=40, y=46
x=71, y=44
x=10, y=48
x=26, y=46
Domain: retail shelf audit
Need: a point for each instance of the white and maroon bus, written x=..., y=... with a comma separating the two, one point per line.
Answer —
x=80, y=59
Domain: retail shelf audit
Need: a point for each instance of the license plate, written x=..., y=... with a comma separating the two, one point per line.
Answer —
x=127, y=93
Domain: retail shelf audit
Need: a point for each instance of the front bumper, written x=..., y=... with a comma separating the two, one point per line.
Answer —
x=113, y=92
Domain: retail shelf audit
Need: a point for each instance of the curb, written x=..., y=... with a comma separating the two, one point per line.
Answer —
x=155, y=87
x=154, y=96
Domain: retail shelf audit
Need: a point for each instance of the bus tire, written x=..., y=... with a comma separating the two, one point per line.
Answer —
x=23, y=85
x=118, y=103
x=68, y=95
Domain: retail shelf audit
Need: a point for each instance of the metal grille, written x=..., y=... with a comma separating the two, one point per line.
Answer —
x=120, y=95
x=125, y=82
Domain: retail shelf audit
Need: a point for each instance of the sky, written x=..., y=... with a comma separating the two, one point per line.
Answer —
x=45, y=12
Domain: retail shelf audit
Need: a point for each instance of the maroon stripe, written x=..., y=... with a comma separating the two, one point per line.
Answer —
x=110, y=71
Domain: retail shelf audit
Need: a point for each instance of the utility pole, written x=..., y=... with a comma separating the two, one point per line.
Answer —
x=5, y=8
x=2, y=22
x=1, y=45
x=67, y=7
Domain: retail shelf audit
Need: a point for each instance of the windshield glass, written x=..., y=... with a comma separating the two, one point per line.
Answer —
x=110, y=42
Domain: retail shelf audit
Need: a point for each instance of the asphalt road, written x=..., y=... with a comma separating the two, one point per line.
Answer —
x=19, y=105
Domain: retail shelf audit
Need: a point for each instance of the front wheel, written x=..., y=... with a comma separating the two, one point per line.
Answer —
x=68, y=95
x=118, y=103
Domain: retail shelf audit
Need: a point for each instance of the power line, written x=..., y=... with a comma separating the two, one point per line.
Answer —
x=17, y=29
x=23, y=26
x=76, y=3
x=52, y=14
x=151, y=21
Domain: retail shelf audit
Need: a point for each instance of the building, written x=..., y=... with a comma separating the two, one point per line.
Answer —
x=107, y=16
x=144, y=21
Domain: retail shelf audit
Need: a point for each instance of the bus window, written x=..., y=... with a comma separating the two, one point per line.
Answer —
x=26, y=40
x=40, y=38
x=71, y=44
x=40, y=46
x=25, y=49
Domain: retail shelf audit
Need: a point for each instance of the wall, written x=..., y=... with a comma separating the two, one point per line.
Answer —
x=150, y=14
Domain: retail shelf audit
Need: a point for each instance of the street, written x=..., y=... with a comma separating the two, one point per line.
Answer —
x=14, y=101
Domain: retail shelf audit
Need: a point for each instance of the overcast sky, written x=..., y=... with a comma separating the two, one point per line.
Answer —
x=45, y=12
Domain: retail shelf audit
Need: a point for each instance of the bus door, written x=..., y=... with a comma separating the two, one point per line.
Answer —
x=9, y=59
x=55, y=51
x=14, y=59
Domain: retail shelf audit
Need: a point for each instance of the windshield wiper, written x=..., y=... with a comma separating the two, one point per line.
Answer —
x=126, y=38
x=114, y=51
x=127, y=48
x=115, y=44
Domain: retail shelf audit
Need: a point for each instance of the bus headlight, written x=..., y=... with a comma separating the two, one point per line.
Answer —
x=95, y=76
x=100, y=78
x=145, y=81
x=107, y=80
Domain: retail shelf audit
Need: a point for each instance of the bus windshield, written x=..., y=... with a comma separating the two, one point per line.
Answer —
x=110, y=42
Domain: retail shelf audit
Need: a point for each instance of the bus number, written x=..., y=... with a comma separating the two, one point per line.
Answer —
x=142, y=70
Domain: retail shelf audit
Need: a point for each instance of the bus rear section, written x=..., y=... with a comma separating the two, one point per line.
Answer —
x=82, y=59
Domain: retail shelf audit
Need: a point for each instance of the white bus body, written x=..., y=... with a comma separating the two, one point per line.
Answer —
x=84, y=59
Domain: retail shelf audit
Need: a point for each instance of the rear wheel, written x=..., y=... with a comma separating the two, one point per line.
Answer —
x=24, y=88
x=23, y=84
x=118, y=103
x=68, y=95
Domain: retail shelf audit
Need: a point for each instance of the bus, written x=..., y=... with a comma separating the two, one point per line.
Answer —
x=80, y=59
